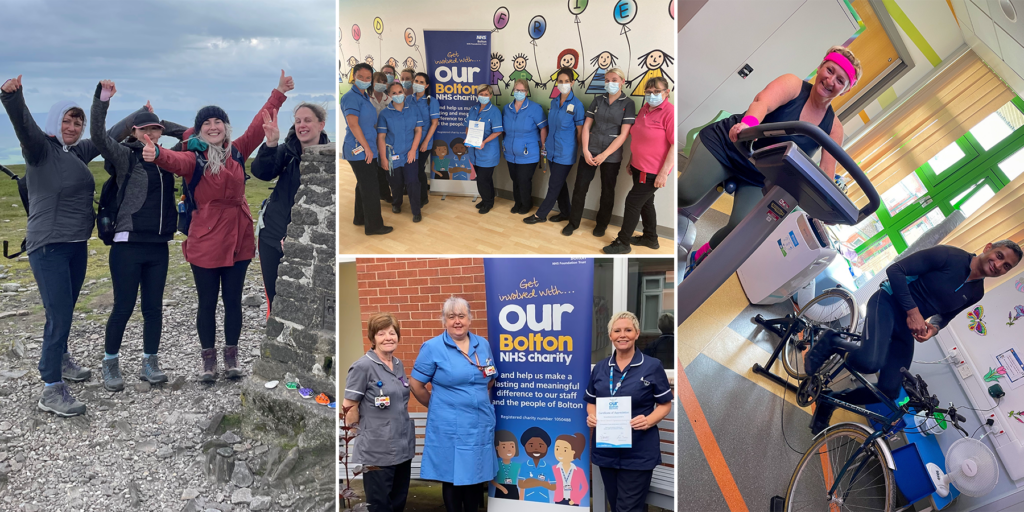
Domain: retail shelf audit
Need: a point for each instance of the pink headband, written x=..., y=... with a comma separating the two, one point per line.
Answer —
x=844, y=63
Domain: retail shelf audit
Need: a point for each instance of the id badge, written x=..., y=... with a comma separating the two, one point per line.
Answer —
x=570, y=108
x=489, y=371
x=357, y=150
x=508, y=481
x=540, y=477
x=382, y=401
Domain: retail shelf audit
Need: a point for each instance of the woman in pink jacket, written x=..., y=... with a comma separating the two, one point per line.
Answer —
x=570, y=481
x=220, y=241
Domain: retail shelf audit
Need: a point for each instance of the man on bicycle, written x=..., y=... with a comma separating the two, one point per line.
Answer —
x=923, y=293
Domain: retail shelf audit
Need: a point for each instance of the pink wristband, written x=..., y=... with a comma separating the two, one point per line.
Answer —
x=750, y=121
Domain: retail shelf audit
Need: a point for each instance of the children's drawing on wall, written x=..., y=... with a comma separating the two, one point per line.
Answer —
x=440, y=159
x=537, y=27
x=1015, y=314
x=569, y=58
x=519, y=62
x=460, y=168
x=994, y=374
x=1016, y=415
x=975, y=320
x=369, y=60
x=410, y=39
x=393, y=62
x=352, y=61
x=409, y=63
x=1011, y=367
x=500, y=18
x=496, y=76
x=651, y=62
x=602, y=63
x=1019, y=284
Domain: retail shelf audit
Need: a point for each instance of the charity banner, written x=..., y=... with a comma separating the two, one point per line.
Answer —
x=539, y=324
x=457, y=60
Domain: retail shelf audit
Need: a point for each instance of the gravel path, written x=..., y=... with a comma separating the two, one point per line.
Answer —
x=147, y=447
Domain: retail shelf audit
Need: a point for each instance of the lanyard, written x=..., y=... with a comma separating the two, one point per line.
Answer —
x=611, y=377
x=476, y=356
x=567, y=478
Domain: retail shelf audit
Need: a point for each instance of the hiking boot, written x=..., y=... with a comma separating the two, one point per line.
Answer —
x=649, y=242
x=617, y=247
x=111, y=369
x=231, y=369
x=819, y=353
x=58, y=400
x=69, y=370
x=151, y=371
x=822, y=415
x=209, y=372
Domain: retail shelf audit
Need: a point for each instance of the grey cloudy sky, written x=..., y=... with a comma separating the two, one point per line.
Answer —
x=180, y=54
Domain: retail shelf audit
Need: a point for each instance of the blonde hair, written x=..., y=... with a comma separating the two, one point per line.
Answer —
x=484, y=87
x=624, y=315
x=521, y=81
x=217, y=155
x=845, y=52
x=617, y=71
x=411, y=71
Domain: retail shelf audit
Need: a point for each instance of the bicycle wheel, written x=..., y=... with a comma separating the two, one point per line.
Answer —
x=870, y=488
x=835, y=309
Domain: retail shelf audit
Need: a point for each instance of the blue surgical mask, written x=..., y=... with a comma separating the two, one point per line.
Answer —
x=611, y=87
x=519, y=95
x=406, y=83
x=418, y=88
x=654, y=99
x=380, y=87
x=484, y=99
x=391, y=78
x=398, y=98
x=362, y=85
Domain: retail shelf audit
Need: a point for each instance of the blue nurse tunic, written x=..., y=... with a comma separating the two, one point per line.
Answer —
x=356, y=103
x=562, y=123
x=429, y=109
x=522, y=132
x=459, y=443
x=647, y=385
x=399, y=129
x=490, y=115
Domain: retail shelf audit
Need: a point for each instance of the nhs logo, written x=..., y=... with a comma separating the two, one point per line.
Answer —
x=481, y=38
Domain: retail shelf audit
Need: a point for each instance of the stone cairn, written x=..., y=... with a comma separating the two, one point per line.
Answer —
x=299, y=346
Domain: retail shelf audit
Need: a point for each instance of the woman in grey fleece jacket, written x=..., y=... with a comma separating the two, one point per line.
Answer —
x=60, y=222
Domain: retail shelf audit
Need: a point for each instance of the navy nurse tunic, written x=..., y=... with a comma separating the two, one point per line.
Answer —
x=562, y=122
x=647, y=385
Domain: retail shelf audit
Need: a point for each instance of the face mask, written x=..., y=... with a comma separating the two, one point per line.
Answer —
x=391, y=78
x=407, y=84
x=398, y=98
x=564, y=88
x=653, y=99
x=362, y=85
x=611, y=87
x=519, y=95
x=484, y=99
x=418, y=88
x=380, y=87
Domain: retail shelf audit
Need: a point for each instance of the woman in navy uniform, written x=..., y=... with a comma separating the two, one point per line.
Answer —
x=565, y=127
x=626, y=472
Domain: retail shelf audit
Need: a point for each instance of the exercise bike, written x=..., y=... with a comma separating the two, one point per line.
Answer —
x=791, y=180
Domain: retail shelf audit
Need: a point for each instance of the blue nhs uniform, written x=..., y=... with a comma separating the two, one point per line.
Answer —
x=457, y=162
x=399, y=128
x=459, y=443
x=522, y=132
x=356, y=103
x=647, y=385
x=429, y=109
x=562, y=123
x=490, y=115
x=540, y=472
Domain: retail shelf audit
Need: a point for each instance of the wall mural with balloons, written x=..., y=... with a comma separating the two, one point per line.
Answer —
x=530, y=40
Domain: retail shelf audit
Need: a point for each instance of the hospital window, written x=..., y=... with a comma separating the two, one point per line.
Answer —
x=962, y=176
x=643, y=286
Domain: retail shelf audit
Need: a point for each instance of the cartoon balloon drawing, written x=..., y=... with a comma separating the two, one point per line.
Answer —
x=625, y=11
x=410, y=37
x=378, y=25
x=577, y=6
x=356, y=32
x=501, y=18
x=538, y=25
x=672, y=9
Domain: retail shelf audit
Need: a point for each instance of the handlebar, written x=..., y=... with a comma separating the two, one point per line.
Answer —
x=8, y=172
x=826, y=143
x=917, y=390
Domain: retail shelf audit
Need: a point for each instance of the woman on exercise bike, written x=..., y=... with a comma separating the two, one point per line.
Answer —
x=924, y=292
x=715, y=158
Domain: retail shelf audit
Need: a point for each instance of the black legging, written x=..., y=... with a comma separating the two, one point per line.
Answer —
x=136, y=265
x=888, y=345
x=460, y=498
x=703, y=172
x=584, y=175
x=639, y=207
x=522, y=185
x=270, y=258
x=421, y=168
x=367, y=204
x=485, y=186
x=209, y=284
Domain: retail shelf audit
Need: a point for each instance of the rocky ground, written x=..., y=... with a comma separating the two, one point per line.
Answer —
x=172, y=447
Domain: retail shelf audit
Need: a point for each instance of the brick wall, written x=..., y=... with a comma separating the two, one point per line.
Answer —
x=413, y=290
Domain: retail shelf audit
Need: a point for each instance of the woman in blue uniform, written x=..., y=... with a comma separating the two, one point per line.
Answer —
x=430, y=111
x=486, y=157
x=457, y=450
x=361, y=120
x=399, y=129
x=626, y=472
x=525, y=127
x=565, y=127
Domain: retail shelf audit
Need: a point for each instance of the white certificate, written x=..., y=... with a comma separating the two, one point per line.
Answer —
x=613, y=415
x=475, y=137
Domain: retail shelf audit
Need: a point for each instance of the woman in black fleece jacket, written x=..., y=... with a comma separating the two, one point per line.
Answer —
x=281, y=161
x=145, y=222
x=60, y=222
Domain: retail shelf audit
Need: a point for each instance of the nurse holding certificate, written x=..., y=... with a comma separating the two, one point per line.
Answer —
x=641, y=380
x=483, y=125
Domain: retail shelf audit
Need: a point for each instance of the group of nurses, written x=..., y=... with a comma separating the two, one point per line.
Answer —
x=361, y=122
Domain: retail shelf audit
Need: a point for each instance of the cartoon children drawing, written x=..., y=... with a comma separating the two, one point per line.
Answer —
x=569, y=58
x=440, y=160
x=410, y=63
x=507, y=479
x=603, y=62
x=535, y=476
x=352, y=61
x=653, y=61
x=392, y=62
x=369, y=60
x=496, y=76
x=519, y=63
x=570, y=483
x=460, y=168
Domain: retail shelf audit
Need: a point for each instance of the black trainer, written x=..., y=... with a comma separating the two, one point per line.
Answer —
x=822, y=414
x=617, y=247
x=649, y=242
x=819, y=353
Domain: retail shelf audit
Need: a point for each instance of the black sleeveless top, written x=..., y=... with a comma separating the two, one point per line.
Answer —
x=715, y=137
